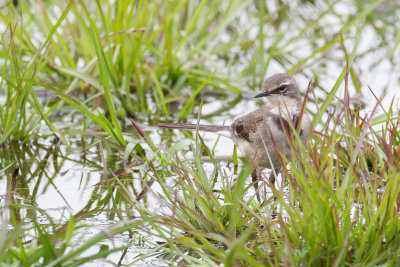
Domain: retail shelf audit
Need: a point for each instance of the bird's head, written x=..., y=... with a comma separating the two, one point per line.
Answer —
x=280, y=85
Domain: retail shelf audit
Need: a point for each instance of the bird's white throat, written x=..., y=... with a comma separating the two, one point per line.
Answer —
x=283, y=105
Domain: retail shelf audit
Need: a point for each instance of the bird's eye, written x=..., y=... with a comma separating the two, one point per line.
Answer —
x=282, y=89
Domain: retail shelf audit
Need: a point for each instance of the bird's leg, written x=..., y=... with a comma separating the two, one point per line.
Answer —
x=254, y=179
x=272, y=177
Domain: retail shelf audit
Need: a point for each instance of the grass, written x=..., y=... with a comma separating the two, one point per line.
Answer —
x=340, y=206
x=106, y=66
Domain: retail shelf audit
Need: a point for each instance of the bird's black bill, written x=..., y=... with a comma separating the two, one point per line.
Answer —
x=262, y=94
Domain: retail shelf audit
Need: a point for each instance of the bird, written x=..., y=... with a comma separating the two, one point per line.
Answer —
x=260, y=134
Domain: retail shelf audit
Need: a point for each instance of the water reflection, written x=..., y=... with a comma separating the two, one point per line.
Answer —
x=49, y=177
x=44, y=183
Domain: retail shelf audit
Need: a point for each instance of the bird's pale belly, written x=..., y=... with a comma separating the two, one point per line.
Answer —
x=246, y=148
x=263, y=158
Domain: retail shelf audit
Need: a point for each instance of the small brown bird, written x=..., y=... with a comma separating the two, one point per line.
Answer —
x=259, y=134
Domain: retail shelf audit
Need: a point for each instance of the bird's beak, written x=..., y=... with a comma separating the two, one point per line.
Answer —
x=263, y=93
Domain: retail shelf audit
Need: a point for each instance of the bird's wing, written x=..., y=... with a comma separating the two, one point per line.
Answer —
x=244, y=126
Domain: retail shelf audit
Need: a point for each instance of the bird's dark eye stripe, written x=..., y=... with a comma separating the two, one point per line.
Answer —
x=279, y=89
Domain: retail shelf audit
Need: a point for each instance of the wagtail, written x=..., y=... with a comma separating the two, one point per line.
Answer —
x=260, y=134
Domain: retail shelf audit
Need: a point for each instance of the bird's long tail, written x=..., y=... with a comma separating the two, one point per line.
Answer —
x=193, y=127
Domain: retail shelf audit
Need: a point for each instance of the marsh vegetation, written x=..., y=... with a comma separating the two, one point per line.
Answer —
x=86, y=178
